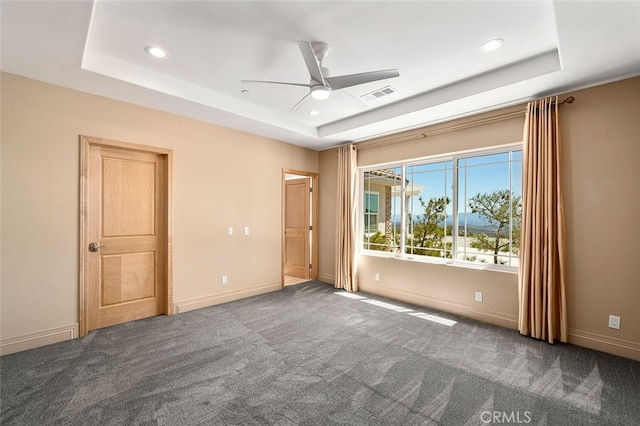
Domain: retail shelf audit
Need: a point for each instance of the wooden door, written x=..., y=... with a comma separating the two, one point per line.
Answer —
x=297, y=228
x=126, y=235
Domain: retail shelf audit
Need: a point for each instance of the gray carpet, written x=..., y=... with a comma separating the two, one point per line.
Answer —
x=307, y=356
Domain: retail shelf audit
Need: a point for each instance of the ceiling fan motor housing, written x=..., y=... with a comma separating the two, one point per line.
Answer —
x=320, y=91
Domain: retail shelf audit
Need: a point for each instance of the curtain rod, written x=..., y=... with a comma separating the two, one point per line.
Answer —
x=347, y=144
x=448, y=129
x=451, y=128
x=568, y=100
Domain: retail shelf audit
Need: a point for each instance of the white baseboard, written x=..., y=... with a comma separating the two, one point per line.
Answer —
x=497, y=318
x=216, y=299
x=620, y=347
x=612, y=345
x=35, y=340
x=61, y=334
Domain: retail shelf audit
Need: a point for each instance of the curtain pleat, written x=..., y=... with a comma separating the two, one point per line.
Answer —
x=541, y=278
x=346, y=277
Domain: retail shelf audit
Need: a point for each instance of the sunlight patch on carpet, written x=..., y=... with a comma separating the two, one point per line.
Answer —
x=428, y=317
x=396, y=308
x=389, y=306
x=349, y=295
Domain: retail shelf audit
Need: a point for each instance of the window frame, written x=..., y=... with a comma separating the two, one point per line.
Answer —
x=453, y=157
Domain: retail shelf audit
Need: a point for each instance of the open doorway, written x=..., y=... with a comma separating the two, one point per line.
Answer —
x=299, y=227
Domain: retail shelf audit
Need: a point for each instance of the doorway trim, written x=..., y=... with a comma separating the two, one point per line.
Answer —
x=85, y=143
x=314, y=222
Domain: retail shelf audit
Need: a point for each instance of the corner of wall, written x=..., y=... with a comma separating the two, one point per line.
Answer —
x=326, y=278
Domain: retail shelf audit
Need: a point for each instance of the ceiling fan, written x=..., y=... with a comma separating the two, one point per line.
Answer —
x=321, y=84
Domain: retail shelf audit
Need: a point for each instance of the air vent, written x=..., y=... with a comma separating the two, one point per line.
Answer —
x=377, y=94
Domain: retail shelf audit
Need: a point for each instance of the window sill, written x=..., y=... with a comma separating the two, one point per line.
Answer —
x=436, y=261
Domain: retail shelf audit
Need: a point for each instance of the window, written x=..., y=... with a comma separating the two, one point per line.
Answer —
x=490, y=208
x=463, y=208
x=428, y=192
x=382, y=227
x=370, y=212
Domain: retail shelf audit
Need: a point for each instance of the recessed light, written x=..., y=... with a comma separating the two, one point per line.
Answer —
x=492, y=45
x=314, y=113
x=156, y=51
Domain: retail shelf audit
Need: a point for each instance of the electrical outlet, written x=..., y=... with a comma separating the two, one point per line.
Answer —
x=478, y=296
x=246, y=230
x=223, y=280
x=230, y=230
x=614, y=322
x=377, y=276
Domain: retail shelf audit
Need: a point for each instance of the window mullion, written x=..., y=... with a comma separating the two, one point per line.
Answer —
x=363, y=238
x=454, y=201
x=403, y=211
x=510, y=208
x=466, y=203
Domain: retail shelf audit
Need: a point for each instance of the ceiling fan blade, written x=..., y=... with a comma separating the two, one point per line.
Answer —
x=300, y=102
x=312, y=62
x=343, y=81
x=275, y=82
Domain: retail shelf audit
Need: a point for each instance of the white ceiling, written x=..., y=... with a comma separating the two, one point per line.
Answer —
x=99, y=47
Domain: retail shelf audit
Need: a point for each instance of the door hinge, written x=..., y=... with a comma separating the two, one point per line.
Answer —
x=311, y=228
x=311, y=189
x=310, y=267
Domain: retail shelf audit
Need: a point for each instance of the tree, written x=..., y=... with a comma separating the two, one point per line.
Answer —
x=499, y=208
x=381, y=242
x=428, y=230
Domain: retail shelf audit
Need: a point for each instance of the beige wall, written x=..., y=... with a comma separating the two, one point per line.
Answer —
x=227, y=178
x=327, y=215
x=602, y=199
x=221, y=178
x=601, y=135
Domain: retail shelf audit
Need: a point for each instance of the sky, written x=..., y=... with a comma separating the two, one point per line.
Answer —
x=486, y=173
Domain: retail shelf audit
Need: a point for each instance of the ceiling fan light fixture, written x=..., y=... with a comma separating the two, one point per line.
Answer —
x=156, y=51
x=491, y=45
x=320, y=92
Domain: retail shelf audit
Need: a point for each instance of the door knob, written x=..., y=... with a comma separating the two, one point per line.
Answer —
x=94, y=247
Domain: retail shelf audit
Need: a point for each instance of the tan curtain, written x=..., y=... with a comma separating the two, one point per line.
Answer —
x=541, y=278
x=346, y=221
